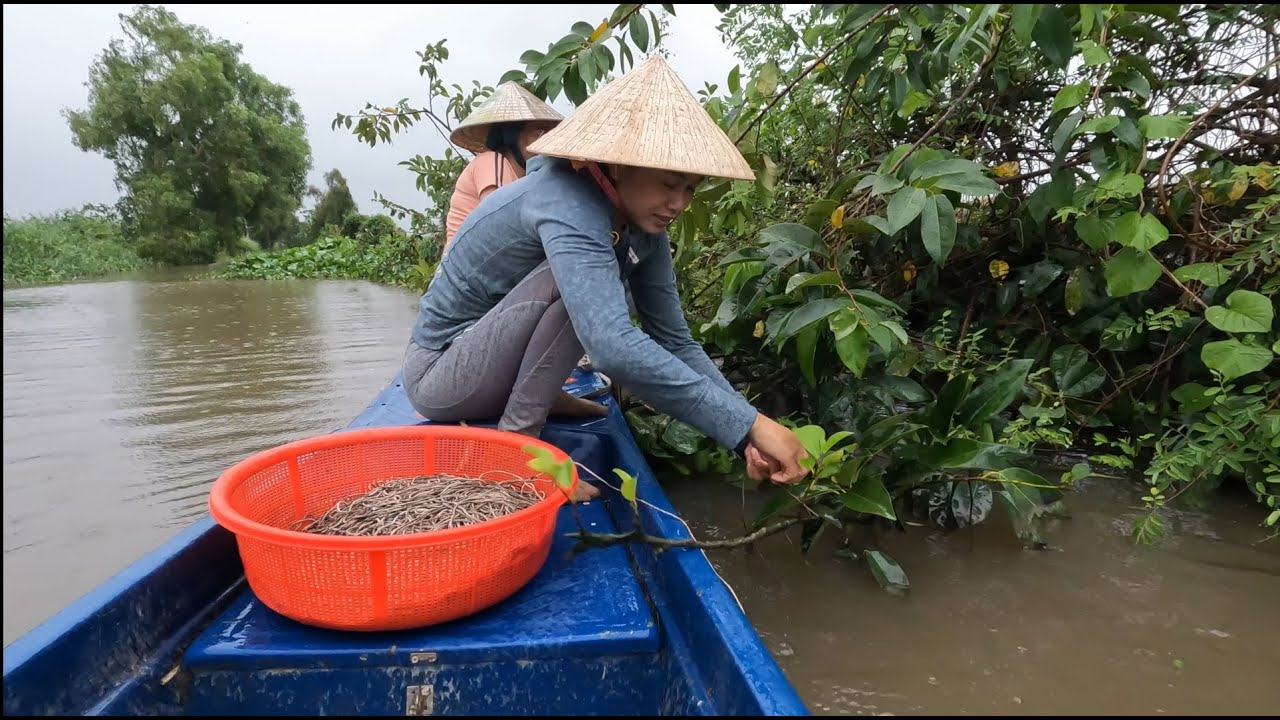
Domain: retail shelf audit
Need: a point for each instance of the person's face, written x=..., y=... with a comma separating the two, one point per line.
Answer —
x=529, y=133
x=653, y=198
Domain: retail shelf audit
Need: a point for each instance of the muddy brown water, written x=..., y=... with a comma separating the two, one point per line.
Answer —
x=1094, y=626
x=123, y=401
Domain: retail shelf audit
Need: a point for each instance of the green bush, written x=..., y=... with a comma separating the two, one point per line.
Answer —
x=71, y=245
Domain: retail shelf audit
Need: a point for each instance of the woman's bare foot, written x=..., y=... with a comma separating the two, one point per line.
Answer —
x=584, y=491
x=571, y=406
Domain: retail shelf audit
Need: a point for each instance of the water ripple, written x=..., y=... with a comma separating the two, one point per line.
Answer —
x=124, y=401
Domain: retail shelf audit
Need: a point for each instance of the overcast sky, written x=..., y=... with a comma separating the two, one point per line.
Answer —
x=335, y=58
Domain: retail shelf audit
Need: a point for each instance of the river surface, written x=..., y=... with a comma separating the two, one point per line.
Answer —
x=1095, y=626
x=124, y=400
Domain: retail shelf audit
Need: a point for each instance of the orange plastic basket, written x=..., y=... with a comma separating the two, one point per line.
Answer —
x=382, y=582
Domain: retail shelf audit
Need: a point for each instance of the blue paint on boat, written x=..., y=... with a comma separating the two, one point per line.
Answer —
x=621, y=630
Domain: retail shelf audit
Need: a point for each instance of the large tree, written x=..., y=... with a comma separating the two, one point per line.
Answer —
x=206, y=150
x=333, y=204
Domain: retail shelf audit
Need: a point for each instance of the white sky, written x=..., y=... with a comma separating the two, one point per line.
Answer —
x=334, y=58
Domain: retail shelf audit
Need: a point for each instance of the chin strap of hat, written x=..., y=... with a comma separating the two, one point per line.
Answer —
x=605, y=185
x=623, y=250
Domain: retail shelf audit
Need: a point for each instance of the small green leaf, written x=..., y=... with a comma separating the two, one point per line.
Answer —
x=512, y=76
x=1036, y=278
x=574, y=87
x=939, y=415
x=1163, y=126
x=1211, y=274
x=1245, y=312
x=1130, y=271
x=806, y=350
x=1233, y=358
x=905, y=206
x=968, y=184
x=810, y=313
x=835, y=439
x=995, y=393
x=887, y=571
x=1070, y=96
x=813, y=438
x=1140, y=231
x=884, y=184
x=1062, y=136
x=873, y=298
x=639, y=28
x=913, y=102
x=587, y=68
x=869, y=495
x=1121, y=184
x=767, y=80
x=853, y=350
x=1134, y=80
x=1096, y=232
x=1075, y=372
x=1073, y=293
x=978, y=18
x=938, y=228
x=794, y=234
x=1099, y=125
x=682, y=437
x=1021, y=504
x=628, y=485
x=804, y=280
x=1094, y=54
x=819, y=214
x=544, y=462
x=1025, y=16
x=1192, y=397
x=843, y=323
x=1128, y=133
x=888, y=335
x=950, y=166
x=1052, y=34
x=735, y=79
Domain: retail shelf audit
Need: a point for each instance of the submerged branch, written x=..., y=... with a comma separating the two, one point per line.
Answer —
x=606, y=539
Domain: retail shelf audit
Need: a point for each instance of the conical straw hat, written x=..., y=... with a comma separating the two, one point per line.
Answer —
x=646, y=118
x=509, y=103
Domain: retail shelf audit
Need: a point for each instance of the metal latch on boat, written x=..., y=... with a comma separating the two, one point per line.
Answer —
x=419, y=700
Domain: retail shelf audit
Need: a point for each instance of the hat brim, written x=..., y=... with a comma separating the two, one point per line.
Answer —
x=647, y=118
x=510, y=103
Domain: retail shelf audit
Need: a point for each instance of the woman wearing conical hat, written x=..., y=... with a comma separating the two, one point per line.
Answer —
x=537, y=275
x=499, y=131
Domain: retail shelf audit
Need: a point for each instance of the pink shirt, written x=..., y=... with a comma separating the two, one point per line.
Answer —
x=488, y=171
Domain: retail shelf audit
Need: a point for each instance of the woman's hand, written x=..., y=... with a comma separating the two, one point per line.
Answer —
x=773, y=451
x=760, y=467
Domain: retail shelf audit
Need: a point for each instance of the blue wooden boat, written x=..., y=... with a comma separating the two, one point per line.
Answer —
x=617, y=630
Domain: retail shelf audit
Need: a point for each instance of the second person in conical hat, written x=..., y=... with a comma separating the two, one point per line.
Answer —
x=499, y=131
x=539, y=269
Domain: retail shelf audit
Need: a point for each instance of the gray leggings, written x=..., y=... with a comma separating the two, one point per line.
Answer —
x=510, y=365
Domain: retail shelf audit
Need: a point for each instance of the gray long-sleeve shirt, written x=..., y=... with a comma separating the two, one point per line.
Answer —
x=561, y=216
